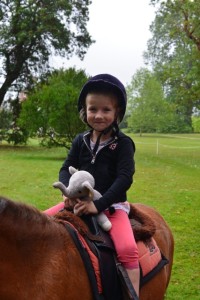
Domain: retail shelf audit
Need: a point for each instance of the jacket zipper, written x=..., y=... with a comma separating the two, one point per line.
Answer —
x=95, y=155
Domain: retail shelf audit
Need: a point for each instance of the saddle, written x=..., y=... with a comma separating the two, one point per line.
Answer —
x=107, y=276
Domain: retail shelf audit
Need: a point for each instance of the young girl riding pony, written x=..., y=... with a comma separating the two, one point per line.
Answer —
x=108, y=154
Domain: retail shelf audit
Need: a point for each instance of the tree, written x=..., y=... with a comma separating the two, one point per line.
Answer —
x=5, y=119
x=196, y=123
x=50, y=111
x=9, y=131
x=147, y=110
x=31, y=30
x=174, y=52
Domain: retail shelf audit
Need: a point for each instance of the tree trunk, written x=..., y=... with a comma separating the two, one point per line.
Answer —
x=6, y=85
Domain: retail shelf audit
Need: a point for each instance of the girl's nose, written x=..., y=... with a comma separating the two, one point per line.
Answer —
x=98, y=115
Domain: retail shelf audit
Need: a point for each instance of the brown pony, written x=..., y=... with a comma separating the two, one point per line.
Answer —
x=39, y=260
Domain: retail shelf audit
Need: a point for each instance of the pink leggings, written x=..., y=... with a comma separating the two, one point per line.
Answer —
x=123, y=239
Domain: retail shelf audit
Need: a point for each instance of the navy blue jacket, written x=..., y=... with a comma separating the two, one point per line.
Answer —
x=112, y=167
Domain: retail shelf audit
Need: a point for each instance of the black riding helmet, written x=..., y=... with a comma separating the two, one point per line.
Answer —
x=103, y=81
x=100, y=83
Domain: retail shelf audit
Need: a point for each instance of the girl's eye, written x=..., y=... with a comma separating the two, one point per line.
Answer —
x=92, y=109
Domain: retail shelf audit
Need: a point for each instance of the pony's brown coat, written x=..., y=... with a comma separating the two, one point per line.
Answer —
x=38, y=259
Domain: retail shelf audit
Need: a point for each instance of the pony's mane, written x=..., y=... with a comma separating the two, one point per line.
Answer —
x=16, y=211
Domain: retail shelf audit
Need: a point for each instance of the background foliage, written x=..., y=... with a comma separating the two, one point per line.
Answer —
x=174, y=53
x=148, y=110
x=30, y=31
x=162, y=98
x=51, y=109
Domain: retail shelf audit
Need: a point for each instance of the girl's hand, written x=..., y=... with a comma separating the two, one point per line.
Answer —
x=85, y=208
x=69, y=203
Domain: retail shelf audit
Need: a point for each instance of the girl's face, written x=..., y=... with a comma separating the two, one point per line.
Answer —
x=101, y=111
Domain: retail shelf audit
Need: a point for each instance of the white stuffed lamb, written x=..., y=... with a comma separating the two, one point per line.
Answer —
x=81, y=185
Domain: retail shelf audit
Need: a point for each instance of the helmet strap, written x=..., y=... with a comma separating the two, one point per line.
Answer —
x=96, y=146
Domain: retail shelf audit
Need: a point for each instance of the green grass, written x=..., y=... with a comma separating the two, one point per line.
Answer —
x=167, y=177
x=27, y=174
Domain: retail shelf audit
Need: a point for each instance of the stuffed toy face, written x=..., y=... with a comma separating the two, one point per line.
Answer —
x=81, y=184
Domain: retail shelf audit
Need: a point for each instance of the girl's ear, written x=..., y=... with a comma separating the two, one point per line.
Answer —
x=72, y=170
x=83, y=114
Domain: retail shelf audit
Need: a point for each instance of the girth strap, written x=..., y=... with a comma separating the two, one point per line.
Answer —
x=87, y=262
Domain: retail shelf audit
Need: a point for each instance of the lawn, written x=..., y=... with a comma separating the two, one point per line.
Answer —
x=167, y=177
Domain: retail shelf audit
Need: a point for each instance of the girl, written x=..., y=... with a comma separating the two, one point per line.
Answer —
x=107, y=154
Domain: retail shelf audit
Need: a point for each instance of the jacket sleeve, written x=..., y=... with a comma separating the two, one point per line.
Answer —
x=71, y=160
x=125, y=170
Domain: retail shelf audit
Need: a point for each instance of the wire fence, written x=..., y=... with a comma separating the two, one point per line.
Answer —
x=159, y=144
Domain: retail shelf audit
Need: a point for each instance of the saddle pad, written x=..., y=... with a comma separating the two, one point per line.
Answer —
x=149, y=255
x=93, y=258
